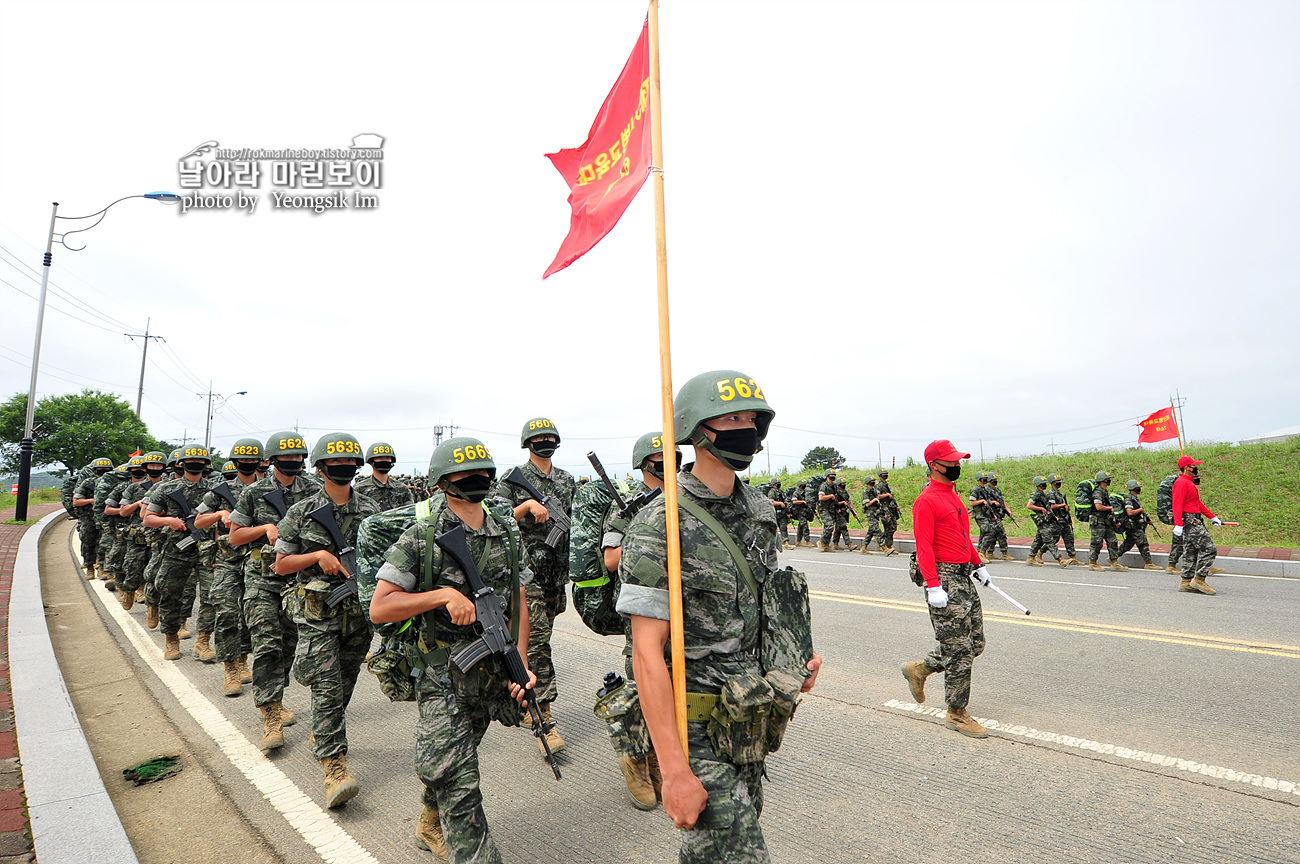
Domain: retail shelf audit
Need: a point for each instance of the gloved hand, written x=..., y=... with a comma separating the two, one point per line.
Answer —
x=1178, y=530
x=1216, y=521
x=936, y=597
x=981, y=574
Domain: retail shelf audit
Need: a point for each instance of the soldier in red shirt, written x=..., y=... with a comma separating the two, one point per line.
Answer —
x=1199, y=550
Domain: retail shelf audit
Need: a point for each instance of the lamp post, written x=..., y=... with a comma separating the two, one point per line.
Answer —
x=207, y=436
x=26, y=446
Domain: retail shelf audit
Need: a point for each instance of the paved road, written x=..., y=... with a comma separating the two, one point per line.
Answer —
x=1112, y=671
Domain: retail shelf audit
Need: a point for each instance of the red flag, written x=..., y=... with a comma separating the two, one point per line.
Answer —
x=136, y=453
x=1160, y=426
x=608, y=169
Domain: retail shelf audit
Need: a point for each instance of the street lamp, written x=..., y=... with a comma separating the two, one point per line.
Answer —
x=207, y=436
x=26, y=445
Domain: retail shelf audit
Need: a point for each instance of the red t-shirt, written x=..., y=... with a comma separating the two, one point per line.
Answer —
x=942, y=529
x=1187, y=499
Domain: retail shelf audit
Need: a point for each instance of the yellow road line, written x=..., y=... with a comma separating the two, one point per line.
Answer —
x=1195, y=640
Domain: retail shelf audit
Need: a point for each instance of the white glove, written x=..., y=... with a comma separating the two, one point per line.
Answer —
x=1178, y=530
x=981, y=574
x=1216, y=521
x=936, y=597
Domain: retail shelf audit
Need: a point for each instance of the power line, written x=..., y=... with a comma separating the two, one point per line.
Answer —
x=26, y=361
x=59, y=290
x=56, y=308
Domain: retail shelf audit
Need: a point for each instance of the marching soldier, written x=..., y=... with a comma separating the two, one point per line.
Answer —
x=104, y=523
x=777, y=497
x=1136, y=535
x=981, y=501
x=997, y=514
x=1101, y=525
x=871, y=511
x=1189, y=524
x=178, y=571
x=826, y=507
x=379, y=487
x=132, y=506
x=889, y=513
x=455, y=710
x=842, y=516
x=271, y=631
x=332, y=639
x=115, y=522
x=728, y=546
x=1049, y=530
x=1065, y=519
x=550, y=565
x=801, y=510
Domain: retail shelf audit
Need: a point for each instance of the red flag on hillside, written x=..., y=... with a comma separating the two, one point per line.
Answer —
x=136, y=453
x=1160, y=426
x=608, y=169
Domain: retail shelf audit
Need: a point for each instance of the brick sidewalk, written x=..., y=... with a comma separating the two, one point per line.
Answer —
x=15, y=830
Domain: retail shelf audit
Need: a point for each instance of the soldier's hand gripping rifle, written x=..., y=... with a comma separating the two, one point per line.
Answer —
x=347, y=555
x=195, y=535
x=494, y=633
x=558, y=539
x=626, y=509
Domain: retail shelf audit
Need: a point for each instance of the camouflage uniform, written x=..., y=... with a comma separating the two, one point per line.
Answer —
x=782, y=513
x=1198, y=547
x=980, y=492
x=1101, y=524
x=104, y=523
x=1066, y=521
x=1136, y=535
x=888, y=517
x=117, y=529
x=271, y=631
x=959, y=629
x=456, y=708
x=229, y=631
x=801, y=513
x=86, y=529
x=721, y=622
x=331, y=648
x=1049, y=529
x=389, y=496
x=65, y=491
x=826, y=511
x=178, y=570
x=546, y=597
x=871, y=510
x=137, y=553
x=997, y=520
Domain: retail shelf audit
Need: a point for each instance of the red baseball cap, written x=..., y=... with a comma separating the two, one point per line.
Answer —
x=944, y=450
x=1184, y=461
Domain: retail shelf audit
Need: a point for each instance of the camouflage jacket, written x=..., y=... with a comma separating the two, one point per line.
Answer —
x=85, y=489
x=827, y=488
x=1056, y=496
x=252, y=509
x=980, y=493
x=1000, y=501
x=1101, y=495
x=133, y=493
x=388, y=496
x=1138, y=522
x=870, y=506
x=882, y=488
x=300, y=534
x=159, y=501
x=103, y=488
x=774, y=495
x=548, y=564
x=721, y=615
x=69, y=486
x=214, y=503
x=1044, y=500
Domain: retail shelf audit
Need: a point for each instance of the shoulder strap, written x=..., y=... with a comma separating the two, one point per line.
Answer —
x=716, y=527
x=513, y=541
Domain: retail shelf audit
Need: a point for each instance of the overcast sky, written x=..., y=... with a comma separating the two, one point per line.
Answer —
x=1021, y=224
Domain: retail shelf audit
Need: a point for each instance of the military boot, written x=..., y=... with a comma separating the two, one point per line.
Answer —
x=639, y=788
x=287, y=717
x=1093, y=565
x=173, y=649
x=272, y=731
x=231, y=685
x=139, y=594
x=184, y=632
x=821, y=544
x=1064, y=562
x=1115, y=565
x=340, y=786
x=890, y=551
x=916, y=673
x=852, y=548
x=245, y=674
x=428, y=833
x=785, y=544
x=127, y=599
x=864, y=550
x=110, y=582
x=1034, y=561
x=552, y=736
x=202, y=649
x=90, y=572
x=964, y=723
x=1185, y=584
x=1199, y=584
x=1214, y=570
x=1151, y=566
x=1170, y=568
x=151, y=617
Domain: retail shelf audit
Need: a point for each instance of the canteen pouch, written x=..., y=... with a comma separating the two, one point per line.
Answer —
x=786, y=642
x=738, y=727
x=785, y=698
x=312, y=599
x=621, y=710
x=914, y=571
x=393, y=670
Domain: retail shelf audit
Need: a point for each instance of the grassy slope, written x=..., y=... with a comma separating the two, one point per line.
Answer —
x=1251, y=484
x=42, y=496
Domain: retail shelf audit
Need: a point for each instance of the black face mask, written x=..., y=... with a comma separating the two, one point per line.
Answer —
x=195, y=468
x=248, y=469
x=137, y=473
x=735, y=447
x=656, y=469
x=341, y=474
x=949, y=473
x=1196, y=480
x=155, y=473
x=545, y=449
x=383, y=467
x=230, y=475
x=473, y=488
x=287, y=467
x=100, y=472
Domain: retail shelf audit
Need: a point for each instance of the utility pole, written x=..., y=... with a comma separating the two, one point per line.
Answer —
x=207, y=434
x=437, y=435
x=139, y=394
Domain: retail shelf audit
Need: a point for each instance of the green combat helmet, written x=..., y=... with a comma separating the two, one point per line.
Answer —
x=538, y=426
x=228, y=470
x=286, y=443
x=173, y=456
x=103, y=463
x=247, y=448
x=192, y=453
x=1101, y=477
x=1040, y=481
x=984, y=475
x=156, y=456
x=714, y=394
x=459, y=454
x=1135, y=486
x=135, y=462
x=1056, y=478
x=648, y=445
x=380, y=450
x=871, y=480
x=337, y=445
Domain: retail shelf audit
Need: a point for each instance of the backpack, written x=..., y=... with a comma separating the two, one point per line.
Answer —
x=1119, y=514
x=1083, y=500
x=65, y=492
x=1165, y=500
x=595, y=591
x=376, y=536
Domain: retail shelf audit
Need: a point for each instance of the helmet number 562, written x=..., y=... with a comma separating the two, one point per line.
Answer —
x=729, y=388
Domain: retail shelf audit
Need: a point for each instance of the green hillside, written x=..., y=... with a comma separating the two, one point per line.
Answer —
x=1253, y=484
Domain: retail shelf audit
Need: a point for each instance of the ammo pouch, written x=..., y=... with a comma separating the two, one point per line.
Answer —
x=785, y=698
x=390, y=665
x=914, y=571
x=738, y=724
x=620, y=707
x=311, y=600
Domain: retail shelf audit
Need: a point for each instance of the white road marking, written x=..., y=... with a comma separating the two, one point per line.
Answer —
x=331, y=842
x=1000, y=577
x=1189, y=765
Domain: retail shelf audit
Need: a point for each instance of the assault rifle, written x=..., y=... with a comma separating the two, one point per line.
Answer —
x=559, y=521
x=347, y=555
x=626, y=509
x=195, y=535
x=222, y=491
x=276, y=499
x=494, y=633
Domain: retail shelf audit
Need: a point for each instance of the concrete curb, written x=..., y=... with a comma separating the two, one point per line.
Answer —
x=73, y=819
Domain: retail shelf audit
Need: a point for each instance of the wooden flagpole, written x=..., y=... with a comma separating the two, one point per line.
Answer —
x=676, y=634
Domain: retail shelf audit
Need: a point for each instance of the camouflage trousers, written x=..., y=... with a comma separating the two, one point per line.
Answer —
x=105, y=543
x=151, y=577
x=803, y=532
x=1175, y=550
x=888, y=525
x=137, y=560
x=274, y=638
x=841, y=531
x=89, y=540
x=1198, y=547
x=986, y=532
x=993, y=534
x=782, y=529
x=873, y=531
x=116, y=553
x=1067, y=537
x=959, y=628
x=545, y=604
x=207, y=617
x=828, y=525
x=1103, y=531
x=1137, y=537
x=447, y=735
x=177, y=581
x=229, y=629
x=1045, y=540
x=328, y=663
x=727, y=831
